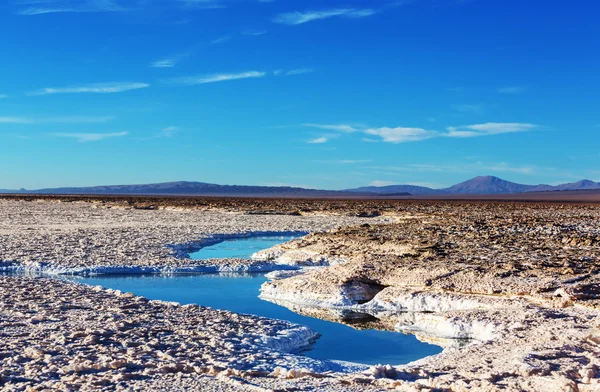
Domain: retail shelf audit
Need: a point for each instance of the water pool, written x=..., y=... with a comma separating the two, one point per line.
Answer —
x=242, y=247
x=239, y=293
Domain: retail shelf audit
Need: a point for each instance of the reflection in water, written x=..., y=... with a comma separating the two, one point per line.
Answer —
x=238, y=246
x=348, y=336
x=377, y=320
x=240, y=294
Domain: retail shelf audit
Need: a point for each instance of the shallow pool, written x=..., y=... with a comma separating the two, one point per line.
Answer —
x=242, y=247
x=239, y=293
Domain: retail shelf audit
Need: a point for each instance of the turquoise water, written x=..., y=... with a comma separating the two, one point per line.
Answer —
x=240, y=247
x=240, y=294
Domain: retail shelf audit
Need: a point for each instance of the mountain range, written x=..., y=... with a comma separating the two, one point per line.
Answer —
x=484, y=185
x=191, y=188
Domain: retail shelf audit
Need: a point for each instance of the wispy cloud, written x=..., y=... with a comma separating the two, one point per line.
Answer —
x=254, y=32
x=15, y=120
x=344, y=161
x=402, y=134
x=299, y=71
x=40, y=7
x=164, y=63
x=220, y=40
x=170, y=61
x=319, y=140
x=488, y=129
x=90, y=137
x=55, y=120
x=475, y=167
x=292, y=72
x=297, y=17
x=3, y=96
x=194, y=80
x=512, y=90
x=96, y=88
x=169, y=131
x=335, y=127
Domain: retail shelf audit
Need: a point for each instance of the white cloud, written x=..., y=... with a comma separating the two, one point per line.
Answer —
x=319, y=140
x=299, y=71
x=193, y=80
x=401, y=134
x=3, y=96
x=90, y=137
x=351, y=161
x=344, y=161
x=220, y=40
x=55, y=120
x=512, y=90
x=37, y=7
x=96, y=88
x=477, y=167
x=15, y=120
x=254, y=32
x=164, y=63
x=169, y=131
x=171, y=61
x=296, y=18
x=336, y=127
x=488, y=129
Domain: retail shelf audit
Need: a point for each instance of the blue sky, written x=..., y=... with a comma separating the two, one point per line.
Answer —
x=325, y=94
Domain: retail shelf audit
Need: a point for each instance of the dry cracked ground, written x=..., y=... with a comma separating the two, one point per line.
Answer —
x=519, y=281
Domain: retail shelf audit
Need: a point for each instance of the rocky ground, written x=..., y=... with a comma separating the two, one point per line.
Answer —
x=59, y=335
x=521, y=281
x=82, y=236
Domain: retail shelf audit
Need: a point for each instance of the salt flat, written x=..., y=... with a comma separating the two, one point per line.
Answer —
x=520, y=280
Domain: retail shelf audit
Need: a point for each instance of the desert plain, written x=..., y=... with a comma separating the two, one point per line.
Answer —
x=509, y=289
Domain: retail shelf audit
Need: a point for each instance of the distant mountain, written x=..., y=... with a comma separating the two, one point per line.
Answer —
x=192, y=188
x=484, y=185
x=487, y=185
x=572, y=186
x=398, y=189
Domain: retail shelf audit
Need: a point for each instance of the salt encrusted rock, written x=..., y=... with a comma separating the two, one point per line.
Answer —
x=75, y=238
x=155, y=338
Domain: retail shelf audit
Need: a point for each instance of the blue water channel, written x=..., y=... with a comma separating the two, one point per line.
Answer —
x=239, y=293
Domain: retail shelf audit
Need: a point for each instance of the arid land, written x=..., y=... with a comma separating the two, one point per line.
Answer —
x=520, y=282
